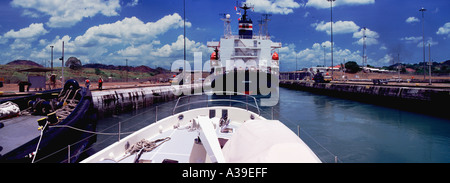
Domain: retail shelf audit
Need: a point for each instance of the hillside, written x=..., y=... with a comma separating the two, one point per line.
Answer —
x=91, y=71
x=24, y=62
x=141, y=68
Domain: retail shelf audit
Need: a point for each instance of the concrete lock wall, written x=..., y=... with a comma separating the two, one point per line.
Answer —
x=434, y=101
x=109, y=102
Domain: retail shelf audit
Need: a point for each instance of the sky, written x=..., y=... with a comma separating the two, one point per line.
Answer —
x=150, y=32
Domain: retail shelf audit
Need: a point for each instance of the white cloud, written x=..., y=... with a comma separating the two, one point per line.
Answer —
x=3, y=41
x=133, y=3
x=129, y=38
x=320, y=4
x=371, y=37
x=313, y=56
x=306, y=14
x=161, y=55
x=283, y=7
x=411, y=39
x=429, y=41
x=177, y=47
x=412, y=20
x=24, y=37
x=418, y=41
x=20, y=44
x=387, y=59
x=444, y=30
x=33, y=31
x=339, y=27
x=121, y=33
x=69, y=12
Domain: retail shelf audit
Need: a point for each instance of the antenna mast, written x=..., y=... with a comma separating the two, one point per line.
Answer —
x=364, y=48
x=265, y=22
x=226, y=24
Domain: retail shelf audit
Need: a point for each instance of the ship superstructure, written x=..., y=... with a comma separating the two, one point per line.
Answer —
x=244, y=52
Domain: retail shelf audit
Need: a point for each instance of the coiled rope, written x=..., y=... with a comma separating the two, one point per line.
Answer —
x=144, y=146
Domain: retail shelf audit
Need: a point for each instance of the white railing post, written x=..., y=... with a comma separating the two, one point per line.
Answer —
x=68, y=153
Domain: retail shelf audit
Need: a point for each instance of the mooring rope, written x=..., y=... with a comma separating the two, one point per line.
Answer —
x=87, y=131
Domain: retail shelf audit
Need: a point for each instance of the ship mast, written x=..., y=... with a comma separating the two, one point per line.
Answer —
x=227, y=26
x=245, y=25
x=184, y=37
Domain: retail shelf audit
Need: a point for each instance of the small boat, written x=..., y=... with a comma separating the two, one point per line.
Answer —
x=217, y=133
x=40, y=127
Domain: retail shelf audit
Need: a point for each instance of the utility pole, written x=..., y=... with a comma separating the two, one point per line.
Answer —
x=62, y=64
x=184, y=36
x=127, y=69
x=423, y=40
x=332, y=69
x=324, y=61
x=429, y=62
x=52, y=60
x=296, y=62
x=398, y=66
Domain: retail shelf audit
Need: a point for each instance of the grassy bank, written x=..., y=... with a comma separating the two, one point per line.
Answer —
x=11, y=75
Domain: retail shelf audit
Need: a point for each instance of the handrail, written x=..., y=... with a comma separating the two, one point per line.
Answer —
x=218, y=100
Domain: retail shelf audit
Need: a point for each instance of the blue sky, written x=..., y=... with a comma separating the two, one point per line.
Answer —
x=151, y=32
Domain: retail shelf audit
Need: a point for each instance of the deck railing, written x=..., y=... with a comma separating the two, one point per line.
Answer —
x=229, y=100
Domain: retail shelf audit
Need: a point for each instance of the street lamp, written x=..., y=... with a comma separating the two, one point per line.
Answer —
x=423, y=39
x=332, y=70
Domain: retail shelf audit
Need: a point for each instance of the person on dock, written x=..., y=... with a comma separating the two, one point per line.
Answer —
x=87, y=83
x=100, y=83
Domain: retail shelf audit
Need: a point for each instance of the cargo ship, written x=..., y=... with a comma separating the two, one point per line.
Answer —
x=245, y=63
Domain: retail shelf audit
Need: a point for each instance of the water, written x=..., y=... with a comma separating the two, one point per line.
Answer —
x=352, y=131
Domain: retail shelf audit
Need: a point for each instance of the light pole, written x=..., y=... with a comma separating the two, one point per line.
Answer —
x=52, y=59
x=62, y=65
x=423, y=40
x=126, y=69
x=332, y=70
x=296, y=62
x=429, y=62
x=324, y=61
x=184, y=36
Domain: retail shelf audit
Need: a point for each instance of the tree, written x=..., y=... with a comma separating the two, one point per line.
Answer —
x=352, y=67
x=98, y=71
x=74, y=63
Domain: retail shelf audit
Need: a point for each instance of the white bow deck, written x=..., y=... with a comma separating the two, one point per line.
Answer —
x=207, y=124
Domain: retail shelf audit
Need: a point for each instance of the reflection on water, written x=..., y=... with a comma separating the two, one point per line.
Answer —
x=352, y=131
